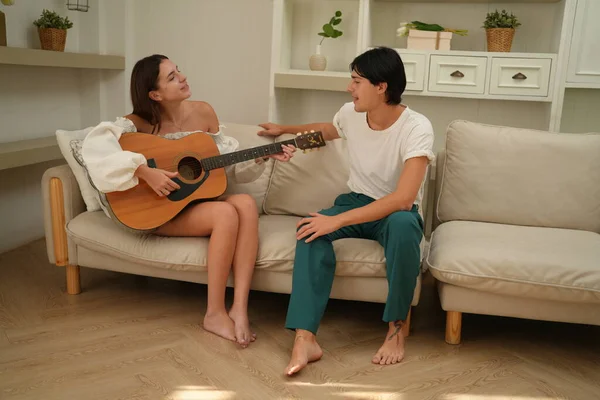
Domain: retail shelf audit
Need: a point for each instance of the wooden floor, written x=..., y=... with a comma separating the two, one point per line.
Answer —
x=128, y=337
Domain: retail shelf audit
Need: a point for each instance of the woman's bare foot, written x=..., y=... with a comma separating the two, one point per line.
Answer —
x=392, y=351
x=243, y=333
x=220, y=324
x=306, y=349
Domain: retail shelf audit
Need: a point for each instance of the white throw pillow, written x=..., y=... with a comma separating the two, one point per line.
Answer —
x=89, y=194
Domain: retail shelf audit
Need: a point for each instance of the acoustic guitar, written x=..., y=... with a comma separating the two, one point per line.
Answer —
x=201, y=173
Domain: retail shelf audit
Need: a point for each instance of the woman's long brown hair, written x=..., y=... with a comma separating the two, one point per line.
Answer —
x=144, y=78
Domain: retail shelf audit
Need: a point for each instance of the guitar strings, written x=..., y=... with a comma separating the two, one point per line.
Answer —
x=225, y=156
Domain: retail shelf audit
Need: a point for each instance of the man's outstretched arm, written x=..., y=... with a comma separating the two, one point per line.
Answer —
x=327, y=129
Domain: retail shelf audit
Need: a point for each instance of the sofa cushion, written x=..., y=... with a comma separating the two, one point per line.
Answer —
x=64, y=139
x=247, y=136
x=521, y=177
x=277, y=246
x=542, y=263
x=309, y=182
x=277, y=242
x=95, y=231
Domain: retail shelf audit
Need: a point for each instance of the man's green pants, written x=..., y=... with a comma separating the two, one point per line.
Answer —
x=400, y=235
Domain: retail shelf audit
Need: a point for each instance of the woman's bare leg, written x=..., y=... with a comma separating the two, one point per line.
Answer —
x=244, y=260
x=219, y=220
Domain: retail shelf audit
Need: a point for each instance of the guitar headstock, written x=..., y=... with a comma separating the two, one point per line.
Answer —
x=309, y=140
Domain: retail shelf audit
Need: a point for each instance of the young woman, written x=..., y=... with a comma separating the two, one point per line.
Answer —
x=160, y=93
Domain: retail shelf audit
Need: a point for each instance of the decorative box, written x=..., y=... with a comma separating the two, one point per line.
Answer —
x=427, y=40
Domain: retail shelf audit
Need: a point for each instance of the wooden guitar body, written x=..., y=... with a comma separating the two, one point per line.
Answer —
x=140, y=207
x=201, y=170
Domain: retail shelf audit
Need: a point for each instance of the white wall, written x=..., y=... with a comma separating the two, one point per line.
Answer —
x=35, y=101
x=580, y=111
x=224, y=46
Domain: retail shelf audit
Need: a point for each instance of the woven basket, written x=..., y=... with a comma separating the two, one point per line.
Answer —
x=53, y=39
x=499, y=39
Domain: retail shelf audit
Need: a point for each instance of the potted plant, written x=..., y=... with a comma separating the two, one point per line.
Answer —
x=52, y=29
x=500, y=30
x=317, y=61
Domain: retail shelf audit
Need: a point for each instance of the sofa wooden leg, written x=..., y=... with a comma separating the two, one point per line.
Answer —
x=406, y=326
x=453, y=327
x=73, y=280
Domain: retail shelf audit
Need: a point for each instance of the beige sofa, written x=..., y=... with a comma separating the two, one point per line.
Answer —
x=517, y=225
x=78, y=238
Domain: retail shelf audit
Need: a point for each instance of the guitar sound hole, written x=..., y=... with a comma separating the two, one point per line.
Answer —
x=189, y=168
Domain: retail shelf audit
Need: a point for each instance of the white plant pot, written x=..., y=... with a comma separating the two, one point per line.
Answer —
x=317, y=61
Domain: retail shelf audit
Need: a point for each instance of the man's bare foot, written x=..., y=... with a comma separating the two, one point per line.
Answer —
x=243, y=333
x=392, y=351
x=306, y=349
x=220, y=324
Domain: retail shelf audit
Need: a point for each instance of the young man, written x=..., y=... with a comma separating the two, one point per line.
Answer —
x=389, y=149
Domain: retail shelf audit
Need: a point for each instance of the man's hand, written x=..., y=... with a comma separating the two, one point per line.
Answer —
x=158, y=179
x=270, y=129
x=317, y=225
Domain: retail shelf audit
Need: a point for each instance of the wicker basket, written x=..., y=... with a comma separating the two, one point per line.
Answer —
x=499, y=39
x=53, y=39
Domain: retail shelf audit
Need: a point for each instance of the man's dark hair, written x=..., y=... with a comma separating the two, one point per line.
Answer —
x=382, y=64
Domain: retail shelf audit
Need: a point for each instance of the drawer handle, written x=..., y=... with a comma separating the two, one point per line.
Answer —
x=457, y=74
x=519, y=76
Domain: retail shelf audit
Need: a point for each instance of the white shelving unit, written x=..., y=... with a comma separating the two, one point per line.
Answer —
x=555, y=49
x=26, y=152
x=45, y=58
x=33, y=151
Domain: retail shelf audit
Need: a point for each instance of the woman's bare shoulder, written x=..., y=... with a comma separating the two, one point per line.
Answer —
x=206, y=112
x=141, y=125
x=202, y=107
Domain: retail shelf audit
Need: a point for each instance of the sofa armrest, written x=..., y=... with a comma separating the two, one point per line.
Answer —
x=62, y=202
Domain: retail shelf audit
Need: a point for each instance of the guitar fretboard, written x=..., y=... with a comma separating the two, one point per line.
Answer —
x=239, y=156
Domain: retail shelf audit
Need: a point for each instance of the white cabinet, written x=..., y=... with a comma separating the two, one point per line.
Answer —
x=584, y=58
x=414, y=67
x=520, y=76
x=457, y=74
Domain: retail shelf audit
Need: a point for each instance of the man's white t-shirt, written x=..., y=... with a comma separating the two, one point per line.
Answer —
x=377, y=157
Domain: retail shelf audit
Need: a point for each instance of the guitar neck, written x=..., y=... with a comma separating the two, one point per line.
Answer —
x=239, y=156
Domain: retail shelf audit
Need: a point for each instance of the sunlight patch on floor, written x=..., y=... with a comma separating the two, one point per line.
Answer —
x=463, y=396
x=356, y=390
x=201, y=393
x=343, y=385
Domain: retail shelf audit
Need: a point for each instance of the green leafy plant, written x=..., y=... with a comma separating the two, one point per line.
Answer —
x=328, y=29
x=50, y=19
x=501, y=20
x=422, y=26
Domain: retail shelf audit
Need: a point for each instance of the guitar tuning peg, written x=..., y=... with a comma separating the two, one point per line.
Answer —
x=312, y=131
x=298, y=134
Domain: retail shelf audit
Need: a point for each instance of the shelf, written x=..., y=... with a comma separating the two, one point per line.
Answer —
x=582, y=85
x=27, y=152
x=48, y=58
x=469, y=1
x=319, y=80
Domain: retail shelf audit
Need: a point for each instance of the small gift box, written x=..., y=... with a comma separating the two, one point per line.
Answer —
x=428, y=40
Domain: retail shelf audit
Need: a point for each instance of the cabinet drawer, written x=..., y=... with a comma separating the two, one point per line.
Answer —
x=457, y=74
x=414, y=65
x=520, y=76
